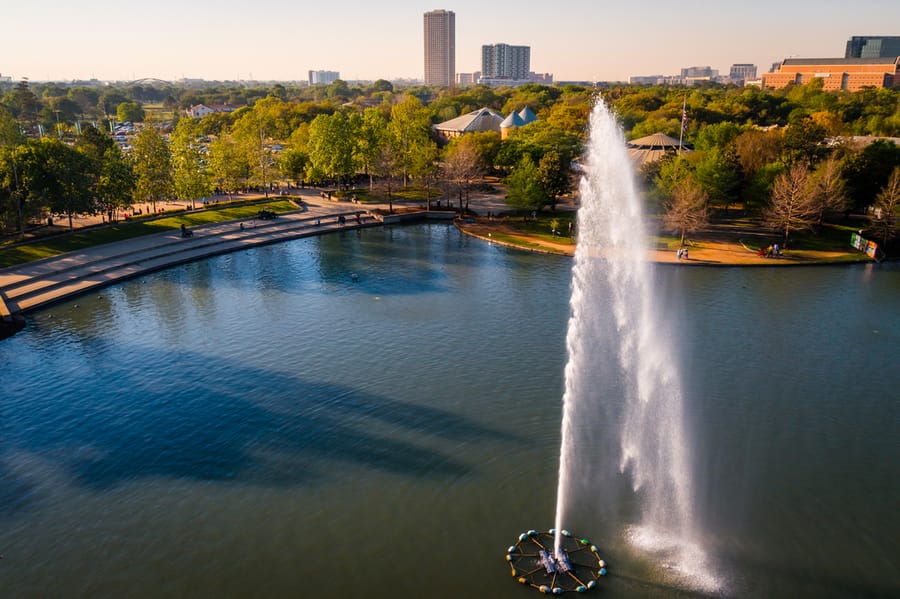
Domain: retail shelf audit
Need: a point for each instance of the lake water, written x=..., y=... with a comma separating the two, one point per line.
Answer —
x=377, y=414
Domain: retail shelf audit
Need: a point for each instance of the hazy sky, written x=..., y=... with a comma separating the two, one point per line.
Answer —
x=283, y=39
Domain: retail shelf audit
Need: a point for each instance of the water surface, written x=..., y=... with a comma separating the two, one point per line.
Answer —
x=268, y=424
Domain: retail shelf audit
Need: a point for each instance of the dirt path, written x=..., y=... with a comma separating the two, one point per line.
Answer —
x=719, y=247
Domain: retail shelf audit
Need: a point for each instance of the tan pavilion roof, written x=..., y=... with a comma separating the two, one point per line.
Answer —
x=483, y=119
x=657, y=140
x=653, y=147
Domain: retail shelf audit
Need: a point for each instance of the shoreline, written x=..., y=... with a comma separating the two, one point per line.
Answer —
x=711, y=254
x=36, y=284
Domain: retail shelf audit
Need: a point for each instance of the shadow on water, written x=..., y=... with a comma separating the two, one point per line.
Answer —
x=16, y=490
x=223, y=422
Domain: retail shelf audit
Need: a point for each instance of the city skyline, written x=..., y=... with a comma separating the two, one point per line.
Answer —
x=101, y=39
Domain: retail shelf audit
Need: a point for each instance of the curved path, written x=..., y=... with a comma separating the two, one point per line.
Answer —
x=33, y=285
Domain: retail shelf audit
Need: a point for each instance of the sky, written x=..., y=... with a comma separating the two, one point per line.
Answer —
x=575, y=40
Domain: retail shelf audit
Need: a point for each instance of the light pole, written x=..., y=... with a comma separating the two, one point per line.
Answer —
x=58, y=127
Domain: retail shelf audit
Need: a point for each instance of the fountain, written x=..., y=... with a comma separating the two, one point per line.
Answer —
x=621, y=383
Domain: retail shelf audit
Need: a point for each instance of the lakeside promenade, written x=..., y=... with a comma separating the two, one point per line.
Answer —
x=33, y=285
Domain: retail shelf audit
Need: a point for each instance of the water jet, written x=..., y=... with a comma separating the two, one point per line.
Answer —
x=621, y=385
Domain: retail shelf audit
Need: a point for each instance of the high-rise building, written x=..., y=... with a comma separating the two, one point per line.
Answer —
x=323, y=77
x=740, y=73
x=440, y=47
x=502, y=61
x=873, y=46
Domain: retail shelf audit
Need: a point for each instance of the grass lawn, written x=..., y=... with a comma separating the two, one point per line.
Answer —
x=44, y=248
x=408, y=194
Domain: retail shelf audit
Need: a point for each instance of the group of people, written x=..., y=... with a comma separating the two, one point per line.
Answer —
x=769, y=252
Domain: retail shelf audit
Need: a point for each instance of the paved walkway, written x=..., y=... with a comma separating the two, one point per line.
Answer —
x=36, y=284
x=29, y=286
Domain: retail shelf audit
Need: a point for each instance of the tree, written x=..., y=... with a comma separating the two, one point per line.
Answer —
x=556, y=175
x=686, y=211
x=372, y=136
x=409, y=130
x=386, y=167
x=756, y=148
x=115, y=185
x=59, y=178
x=10, y=131
x=425, y=169
x=93, y=143
x=868, y=170
x=802, y=142
x=718, y=172
x=15, y=207
x=830, y=189
x=462, y=165
x=523, y=186
x=331, y=148
x=25, y=105
x=792, y=206
x=886, y=210
x=130, y=111
x=228, y=165
x=292, y=163
x=152, y=164
x=190, y=172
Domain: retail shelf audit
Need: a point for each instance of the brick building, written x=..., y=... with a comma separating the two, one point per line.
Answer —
x=848, y=74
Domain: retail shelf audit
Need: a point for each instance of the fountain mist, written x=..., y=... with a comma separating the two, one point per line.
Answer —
x=620, y=378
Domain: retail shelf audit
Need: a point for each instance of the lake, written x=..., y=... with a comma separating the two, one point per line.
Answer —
x=377, y=414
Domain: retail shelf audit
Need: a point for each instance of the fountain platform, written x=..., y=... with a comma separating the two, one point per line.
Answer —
x=576, y=567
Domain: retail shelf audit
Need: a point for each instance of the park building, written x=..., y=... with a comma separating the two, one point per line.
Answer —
x=483, y=119
x=440, y=47
x=516, y=120
x=652, y=148
x=837, y=74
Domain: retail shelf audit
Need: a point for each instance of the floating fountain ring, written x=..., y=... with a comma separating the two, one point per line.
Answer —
x=533, y=561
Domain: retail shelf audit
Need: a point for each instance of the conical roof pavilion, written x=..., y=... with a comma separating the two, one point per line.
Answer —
x=653, y=147
x=513, y=120
x=527, y=115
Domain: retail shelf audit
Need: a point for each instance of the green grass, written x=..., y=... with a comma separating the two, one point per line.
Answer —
x=829, y=238
x=79, y=240
x=516, y=241
x=408, y=194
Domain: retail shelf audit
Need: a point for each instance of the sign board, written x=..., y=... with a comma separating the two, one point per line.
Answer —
x=871, y=248
x=863, y=245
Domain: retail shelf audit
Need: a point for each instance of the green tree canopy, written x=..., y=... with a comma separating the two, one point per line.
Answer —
x=524, y=190
x=152, y=163
x=130, y=111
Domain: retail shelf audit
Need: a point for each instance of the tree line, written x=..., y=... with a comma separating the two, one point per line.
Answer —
x=748, y=145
